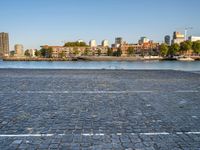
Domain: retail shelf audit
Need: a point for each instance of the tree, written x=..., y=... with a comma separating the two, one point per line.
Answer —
x=185, y=46
x=47, y=53
x=131, y=51
x=75, y=44
x=75, y=51
x=173, y=49
x=27, y=53
x=118, y=53
x=164, y=49
x=110, y=52
x=62, y=54
x=99, y=52
x=86, y=52
x=37, y=53
x=196, y=47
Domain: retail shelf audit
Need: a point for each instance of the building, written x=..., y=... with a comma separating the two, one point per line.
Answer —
x=105, y=43
x=19, y=50
x=143, y=40
x=4, y=44
x=178, y=38
x=118, y=41
x=93, y=43
x=102, y=49
x=60, y=51
x=167, y=39
x=32, y=52
x=125, y=48
x=80, y=41
x=194, y=38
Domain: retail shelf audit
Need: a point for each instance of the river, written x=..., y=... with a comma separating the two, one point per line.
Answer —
x=136, y=65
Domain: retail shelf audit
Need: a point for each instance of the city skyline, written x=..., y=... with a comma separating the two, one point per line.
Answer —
x=36, y=23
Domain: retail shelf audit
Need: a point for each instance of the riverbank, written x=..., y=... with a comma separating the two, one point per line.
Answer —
x=97, y=58
x=83, y=58
x=34, y=59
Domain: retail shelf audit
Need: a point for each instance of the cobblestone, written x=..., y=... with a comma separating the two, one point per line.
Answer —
x=99, y=109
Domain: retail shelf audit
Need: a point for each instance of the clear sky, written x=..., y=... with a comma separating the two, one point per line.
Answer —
x=38, y=22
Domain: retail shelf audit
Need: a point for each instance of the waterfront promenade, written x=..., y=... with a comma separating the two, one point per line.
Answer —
x=99, y=109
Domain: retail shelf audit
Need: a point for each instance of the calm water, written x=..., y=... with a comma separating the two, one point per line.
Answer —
x=175, y=65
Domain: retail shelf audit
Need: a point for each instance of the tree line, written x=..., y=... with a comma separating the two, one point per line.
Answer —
x=183, y=48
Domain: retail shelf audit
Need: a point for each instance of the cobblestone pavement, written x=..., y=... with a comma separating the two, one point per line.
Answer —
x=91, y=109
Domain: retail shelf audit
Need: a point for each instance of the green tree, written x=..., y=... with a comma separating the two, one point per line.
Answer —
x=86, y=52
x=75, y=44
x=62, y=54
x=99, y=52
x=110, y=52
x=173, y=49
x=47, y=53
x=27, y=53
x=131, y=51
x=164, y=49
x=119, y=52
x=185, y=46
x=37, y=53
x=43, y=52
x=196, y=47
x=75, y=51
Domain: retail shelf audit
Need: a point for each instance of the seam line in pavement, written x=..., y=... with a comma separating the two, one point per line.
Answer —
x=93, y=92
x=99, y=134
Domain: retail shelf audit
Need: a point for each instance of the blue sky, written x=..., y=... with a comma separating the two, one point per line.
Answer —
x=38, y=22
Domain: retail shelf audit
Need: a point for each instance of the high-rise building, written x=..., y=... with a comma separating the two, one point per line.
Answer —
x=4, y=44
x=93, y=43
x=19, y=50
x=105, y=43
x=167, y=39
x=144, y=40
x=178, y=38
x=119, y=40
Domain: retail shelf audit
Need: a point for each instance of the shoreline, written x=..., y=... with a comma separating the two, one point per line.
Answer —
x=97, y=58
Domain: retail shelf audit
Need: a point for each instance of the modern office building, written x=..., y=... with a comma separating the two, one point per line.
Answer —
x=194, y=38
x=105, y=43
x=119, y=40
x=19, y=50
x=178, y=38
x=93, y=43
x=167, y=39
x=144, y=40
x=4, y=44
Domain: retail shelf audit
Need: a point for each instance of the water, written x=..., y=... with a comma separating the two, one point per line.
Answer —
x=155, y=65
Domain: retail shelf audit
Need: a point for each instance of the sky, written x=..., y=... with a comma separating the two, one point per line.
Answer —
x=37, y=22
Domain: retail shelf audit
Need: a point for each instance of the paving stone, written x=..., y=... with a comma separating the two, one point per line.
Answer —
x=99, y=109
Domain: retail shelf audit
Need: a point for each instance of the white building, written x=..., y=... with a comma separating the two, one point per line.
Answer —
x=93, y=43
x=105, y=43
x=178, y=41
x=32, y=52
x=19, y=50
x=80, y=41
x=178, y=38
x=194, y=38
